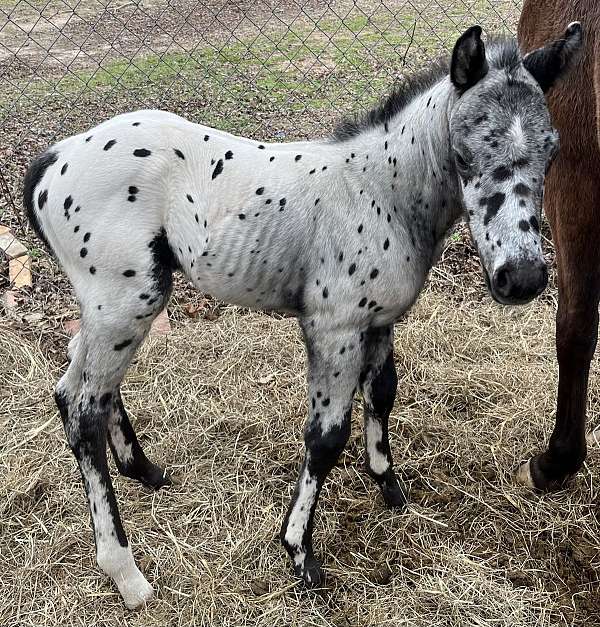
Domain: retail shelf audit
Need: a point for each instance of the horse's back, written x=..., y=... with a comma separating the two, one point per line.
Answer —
x=101, y=199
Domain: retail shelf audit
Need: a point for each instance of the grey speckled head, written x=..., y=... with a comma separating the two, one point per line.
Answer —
x=503, y=143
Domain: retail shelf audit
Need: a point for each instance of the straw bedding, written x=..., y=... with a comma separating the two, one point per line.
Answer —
x=221, y=402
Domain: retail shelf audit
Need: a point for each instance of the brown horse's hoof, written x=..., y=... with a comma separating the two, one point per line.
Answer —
x=523, y=475
x=530, y=475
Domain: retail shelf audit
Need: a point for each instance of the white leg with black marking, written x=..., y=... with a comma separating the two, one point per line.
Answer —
x=334, y=358
x=113, y=557
x=379, y=383
x=85, y=396
x=128, y=454
x=299, y=517
x=113, y=325
x=377, y=461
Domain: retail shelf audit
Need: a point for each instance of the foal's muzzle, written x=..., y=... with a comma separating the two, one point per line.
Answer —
x=517, y=284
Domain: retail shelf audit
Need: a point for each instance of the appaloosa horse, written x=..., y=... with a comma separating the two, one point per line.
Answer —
x=572, y=205
x=339, y=232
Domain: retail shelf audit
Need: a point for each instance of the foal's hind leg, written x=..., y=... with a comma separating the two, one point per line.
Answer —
x=116, y=316
x=127, y=452
x=379, y=382
x=84, y=396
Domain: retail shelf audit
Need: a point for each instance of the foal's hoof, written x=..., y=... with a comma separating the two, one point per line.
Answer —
x=394, y=494
x=530, y=475
x=135, y=592
x=120, y=566
x=311, y=573
x=154, y=477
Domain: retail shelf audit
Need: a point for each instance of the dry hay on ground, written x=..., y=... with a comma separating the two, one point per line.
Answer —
x=221, y=403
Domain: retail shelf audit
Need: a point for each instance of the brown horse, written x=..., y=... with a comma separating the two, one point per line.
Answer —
x=572, y=205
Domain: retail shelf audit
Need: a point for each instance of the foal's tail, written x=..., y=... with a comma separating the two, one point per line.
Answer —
x=33, y=176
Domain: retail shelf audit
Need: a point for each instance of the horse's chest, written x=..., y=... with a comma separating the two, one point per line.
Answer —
x=377, y=286
x=400, y=287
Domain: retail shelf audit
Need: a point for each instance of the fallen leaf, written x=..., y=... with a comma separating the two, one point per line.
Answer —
x=72, y=326
x=161, y=324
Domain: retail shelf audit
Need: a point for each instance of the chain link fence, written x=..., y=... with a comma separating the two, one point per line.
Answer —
x=277, y=70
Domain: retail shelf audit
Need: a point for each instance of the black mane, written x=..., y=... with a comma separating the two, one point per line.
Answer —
x=501, y=52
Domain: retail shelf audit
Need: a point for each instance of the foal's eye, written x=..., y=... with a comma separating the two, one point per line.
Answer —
x=461, y=162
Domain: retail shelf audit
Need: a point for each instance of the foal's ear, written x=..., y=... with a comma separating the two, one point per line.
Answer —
x=469, y=64
x=549, y=63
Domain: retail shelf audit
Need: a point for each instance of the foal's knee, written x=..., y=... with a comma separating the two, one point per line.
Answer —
x=383, y=388
x=325, y=444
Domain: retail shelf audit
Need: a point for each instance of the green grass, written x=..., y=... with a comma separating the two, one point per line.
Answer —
x=274, y=66
x=320, y=67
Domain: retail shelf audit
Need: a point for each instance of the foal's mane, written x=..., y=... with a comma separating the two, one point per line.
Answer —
x=501, y=52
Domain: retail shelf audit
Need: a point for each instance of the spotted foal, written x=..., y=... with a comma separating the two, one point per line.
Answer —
x=340, y=233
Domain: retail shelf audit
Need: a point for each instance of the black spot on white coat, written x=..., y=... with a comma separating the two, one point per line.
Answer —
x=218, y=169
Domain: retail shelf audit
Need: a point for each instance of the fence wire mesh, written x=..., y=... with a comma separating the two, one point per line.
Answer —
x=272, y=69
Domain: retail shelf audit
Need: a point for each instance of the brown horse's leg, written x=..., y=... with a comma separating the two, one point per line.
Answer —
x=576, y=229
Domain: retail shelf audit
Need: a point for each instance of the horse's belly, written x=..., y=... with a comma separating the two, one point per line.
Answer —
x=245, y=267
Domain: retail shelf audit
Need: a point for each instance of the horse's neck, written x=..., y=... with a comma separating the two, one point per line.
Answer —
x=411, y=168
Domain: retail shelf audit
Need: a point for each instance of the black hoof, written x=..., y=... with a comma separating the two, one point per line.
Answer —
x=311, y=573
x=393, y=494
x=155, y=477
x=148, y=474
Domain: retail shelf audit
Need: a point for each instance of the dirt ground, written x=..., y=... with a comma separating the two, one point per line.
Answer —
x=77, y=35
x=220, y=402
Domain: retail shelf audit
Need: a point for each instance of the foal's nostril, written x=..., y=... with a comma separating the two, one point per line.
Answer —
x=502, y=278
x=521, y=283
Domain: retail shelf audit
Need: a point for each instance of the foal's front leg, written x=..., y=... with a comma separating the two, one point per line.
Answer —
x=334, y=361
x=379, y=382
